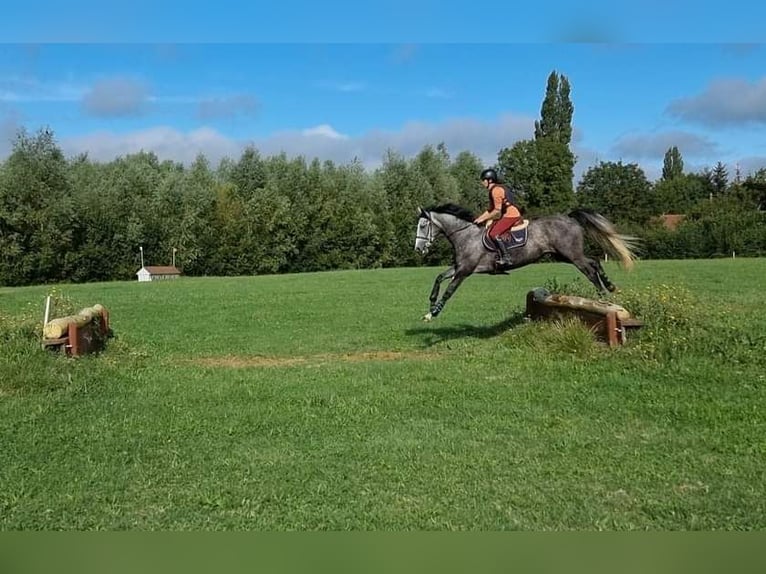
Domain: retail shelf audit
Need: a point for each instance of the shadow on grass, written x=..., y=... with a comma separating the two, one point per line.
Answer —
x=432, y=335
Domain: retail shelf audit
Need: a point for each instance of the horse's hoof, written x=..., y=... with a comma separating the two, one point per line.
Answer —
x=427, y=317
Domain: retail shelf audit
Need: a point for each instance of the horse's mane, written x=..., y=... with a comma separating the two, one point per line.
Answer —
x=453, y=209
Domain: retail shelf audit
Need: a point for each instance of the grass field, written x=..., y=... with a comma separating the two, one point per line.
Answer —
x=321, y=401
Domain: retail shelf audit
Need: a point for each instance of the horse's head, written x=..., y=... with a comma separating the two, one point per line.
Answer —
x=425, y=232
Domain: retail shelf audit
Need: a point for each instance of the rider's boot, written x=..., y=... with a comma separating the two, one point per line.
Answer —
x=504, y=261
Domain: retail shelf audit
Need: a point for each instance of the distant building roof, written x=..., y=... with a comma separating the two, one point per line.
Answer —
x=161, y=270
x=671, y=220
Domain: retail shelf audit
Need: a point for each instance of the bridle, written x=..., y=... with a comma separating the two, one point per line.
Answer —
x=430, y=237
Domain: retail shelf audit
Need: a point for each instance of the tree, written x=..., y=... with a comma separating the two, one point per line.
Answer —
x=679, y=193
x=542, y=170
x=752, y=192
x=465, y=170
x=406, y=186
x=134, y=186
x=673, y=165
x=36, y=211
x=349, y=236
x=249, y=173
x=433, y=165
x=618, y=191
x=720, y=178
x=555, y=176
x=556, y=111
x=192, y=232
x=519, y=167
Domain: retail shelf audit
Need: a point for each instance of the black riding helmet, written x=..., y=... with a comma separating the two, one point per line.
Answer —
x=489, y=174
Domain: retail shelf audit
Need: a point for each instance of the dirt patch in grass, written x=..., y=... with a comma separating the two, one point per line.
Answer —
x=239, y=361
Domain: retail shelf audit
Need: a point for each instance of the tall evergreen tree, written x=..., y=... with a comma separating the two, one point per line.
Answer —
x=720, y=178
x=556, y=111
x=555, y=160
x=673, y=165
x=546, y=126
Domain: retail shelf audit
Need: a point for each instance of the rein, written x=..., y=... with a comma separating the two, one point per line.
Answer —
x=466, y=226
x=433, y=223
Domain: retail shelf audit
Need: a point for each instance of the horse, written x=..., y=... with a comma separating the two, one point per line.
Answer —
x=561, y=236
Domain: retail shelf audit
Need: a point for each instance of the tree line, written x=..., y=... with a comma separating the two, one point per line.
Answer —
x=74, y=219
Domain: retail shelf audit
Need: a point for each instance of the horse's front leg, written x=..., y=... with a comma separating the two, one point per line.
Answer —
x=437, y=284
x=436, y=307
x=435, y=290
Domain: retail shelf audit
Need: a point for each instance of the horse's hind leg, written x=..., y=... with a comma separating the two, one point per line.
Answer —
x=611, y=287
x=595, y=274
x=591, y=268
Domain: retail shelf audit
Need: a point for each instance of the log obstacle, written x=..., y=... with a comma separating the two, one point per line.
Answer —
x=78, y=334
x=609, y=322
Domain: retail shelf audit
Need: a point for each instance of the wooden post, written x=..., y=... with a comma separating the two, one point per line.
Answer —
x=611, y=329
x=74, y=339
x=47, y=316
x=47, y=310
x=103, y=322
x=530, y=303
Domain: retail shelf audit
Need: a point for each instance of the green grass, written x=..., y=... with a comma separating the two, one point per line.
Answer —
x=321, y=401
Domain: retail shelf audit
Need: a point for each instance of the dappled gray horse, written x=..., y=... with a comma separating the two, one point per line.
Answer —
x=558, y=235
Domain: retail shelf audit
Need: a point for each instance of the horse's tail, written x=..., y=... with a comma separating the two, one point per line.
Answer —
x=602, y=231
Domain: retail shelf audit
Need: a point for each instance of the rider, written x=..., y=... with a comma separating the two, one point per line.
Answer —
x=504, y=213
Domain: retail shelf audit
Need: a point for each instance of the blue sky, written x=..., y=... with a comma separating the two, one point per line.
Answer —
x=179, y=96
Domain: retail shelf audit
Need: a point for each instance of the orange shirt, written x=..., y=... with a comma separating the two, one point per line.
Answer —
x=498, y=200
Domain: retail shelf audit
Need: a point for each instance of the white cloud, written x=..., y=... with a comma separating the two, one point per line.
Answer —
x=654, y=146
x=115, y=97
x=724, y=102
x=166, y=142
x=323, y=130
x=483, y=138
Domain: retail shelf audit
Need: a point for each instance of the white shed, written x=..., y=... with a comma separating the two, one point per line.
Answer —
x=158, y=273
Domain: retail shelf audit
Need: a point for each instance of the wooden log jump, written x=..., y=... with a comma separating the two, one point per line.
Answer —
x=608, y=321
x=78, y=334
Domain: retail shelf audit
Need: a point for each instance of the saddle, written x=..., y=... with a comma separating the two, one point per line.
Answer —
x=515, y=237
